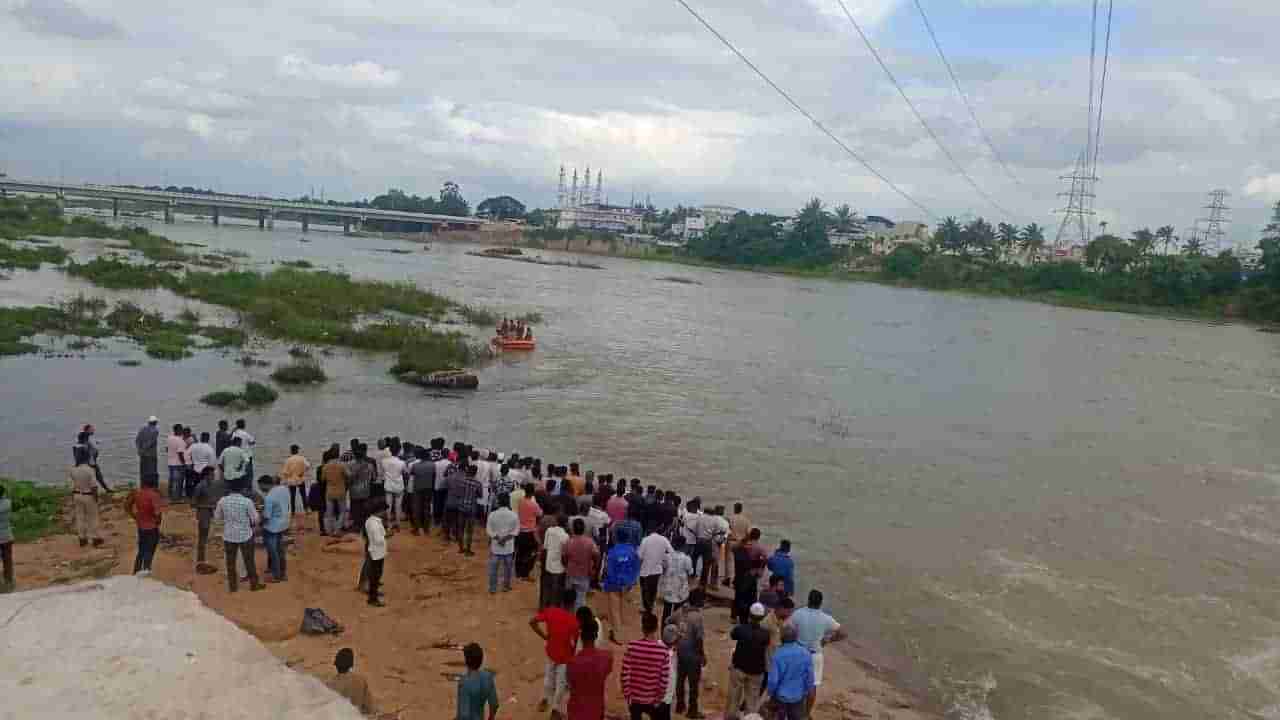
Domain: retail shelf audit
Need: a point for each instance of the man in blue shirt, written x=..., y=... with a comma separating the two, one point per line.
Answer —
x=791, y=677
x=781, y=564
x=275, y=520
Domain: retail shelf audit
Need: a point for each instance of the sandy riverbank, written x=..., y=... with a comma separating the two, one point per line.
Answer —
x=437, y=600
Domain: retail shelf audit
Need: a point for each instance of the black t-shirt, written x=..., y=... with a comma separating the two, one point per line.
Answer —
x=753, y=644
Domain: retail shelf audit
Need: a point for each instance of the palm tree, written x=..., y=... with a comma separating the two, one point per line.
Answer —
x=1165, y=236
x=949, y=236
x=1143, y=242
x=1032, y=241
x=844, y=218
x=1008, y=240
x=1193, y=247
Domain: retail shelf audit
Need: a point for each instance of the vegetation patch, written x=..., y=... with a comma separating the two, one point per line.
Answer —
x=17, y=324
x=300, y=372
x=12, y=257
x=118, y=274
x=254, y=395
x=429, y=351
x=129, y=363
x=35, y=508
x=297, y=264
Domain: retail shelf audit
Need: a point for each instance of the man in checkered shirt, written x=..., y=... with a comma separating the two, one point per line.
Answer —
x=239, y=517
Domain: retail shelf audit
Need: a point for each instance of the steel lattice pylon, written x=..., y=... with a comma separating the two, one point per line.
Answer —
x=1077, y=216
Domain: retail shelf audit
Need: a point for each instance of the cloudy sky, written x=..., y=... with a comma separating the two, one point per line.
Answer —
x=354, y=96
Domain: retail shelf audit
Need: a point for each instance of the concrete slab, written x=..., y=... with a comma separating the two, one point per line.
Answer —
x=126, y=647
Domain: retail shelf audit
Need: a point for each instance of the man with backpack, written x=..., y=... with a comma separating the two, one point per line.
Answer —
x=621, y=572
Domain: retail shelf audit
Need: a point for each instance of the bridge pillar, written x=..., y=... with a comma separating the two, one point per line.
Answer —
x=346, y=226
x=271, y=220
x=215, y=215
x=115, y=207
x=306, y=223
x=262, y=219
x=168, y=214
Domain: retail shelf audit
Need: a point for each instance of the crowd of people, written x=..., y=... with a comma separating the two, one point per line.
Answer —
x=572, y=532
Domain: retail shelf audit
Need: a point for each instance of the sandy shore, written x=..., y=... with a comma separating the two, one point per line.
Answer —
x=437, y=600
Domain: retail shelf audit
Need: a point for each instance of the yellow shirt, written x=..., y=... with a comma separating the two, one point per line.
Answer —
x=577, y=485
x=294, y=471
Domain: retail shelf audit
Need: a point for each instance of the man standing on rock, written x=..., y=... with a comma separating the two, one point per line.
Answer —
x=84, y=498
x=238, y=517
x=148, y=441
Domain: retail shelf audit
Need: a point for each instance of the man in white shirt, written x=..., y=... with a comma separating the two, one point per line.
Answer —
x=247, y=444
x=502, y=527
x=552, y=578
x=375, y=545
x=393, y=483
x=653, y=554
x=202, y=454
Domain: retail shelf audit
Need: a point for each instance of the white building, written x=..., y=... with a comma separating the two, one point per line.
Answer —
x=884, y=240
x=693, y=228
x=716, y=214
x=604, y=218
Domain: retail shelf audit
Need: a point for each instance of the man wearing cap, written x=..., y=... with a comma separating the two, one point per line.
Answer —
x=147, y=441
x=746, y=670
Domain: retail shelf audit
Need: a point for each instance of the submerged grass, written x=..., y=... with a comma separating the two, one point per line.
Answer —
x=255, y=394
x=433, y=351
x=30, y=258
x=300, y=372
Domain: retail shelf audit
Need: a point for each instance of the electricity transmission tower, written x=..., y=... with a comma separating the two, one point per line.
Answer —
x=1213, y=225
x=1077, y=216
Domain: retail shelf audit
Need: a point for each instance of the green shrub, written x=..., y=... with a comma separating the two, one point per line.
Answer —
x=300, y=373
x=905, y=261
x=12, y=257
x=220, y=398
x=35, y=508
x=1067, y=276
x=256, y=394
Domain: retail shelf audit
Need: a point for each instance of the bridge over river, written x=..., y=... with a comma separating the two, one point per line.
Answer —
x=266, y=210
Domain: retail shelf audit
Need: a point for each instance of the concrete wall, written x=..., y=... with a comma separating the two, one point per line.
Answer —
x=127, y=647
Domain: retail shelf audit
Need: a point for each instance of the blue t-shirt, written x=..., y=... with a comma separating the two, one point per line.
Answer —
x=783, y=566
x=811, y=626
x=475, y=690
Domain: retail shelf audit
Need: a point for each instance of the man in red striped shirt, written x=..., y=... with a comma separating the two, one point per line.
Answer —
x=645, y=667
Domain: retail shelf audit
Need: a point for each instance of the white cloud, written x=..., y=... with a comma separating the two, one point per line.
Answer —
x=362, y=74
x=1267, y=186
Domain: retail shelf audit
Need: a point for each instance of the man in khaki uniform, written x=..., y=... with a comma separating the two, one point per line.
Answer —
x=350, y=685
x=84, y=500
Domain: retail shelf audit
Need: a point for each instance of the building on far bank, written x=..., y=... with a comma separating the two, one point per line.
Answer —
x=716, y=214
x=884, y=240
x=693, y=228
x=583, y=208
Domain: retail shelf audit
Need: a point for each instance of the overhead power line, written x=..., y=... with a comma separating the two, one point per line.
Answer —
x=960, y=91
x=800, y=109
x=1102, y=90
x=959, y=168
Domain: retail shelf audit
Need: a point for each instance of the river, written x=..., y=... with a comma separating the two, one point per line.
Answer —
x=1047, y=512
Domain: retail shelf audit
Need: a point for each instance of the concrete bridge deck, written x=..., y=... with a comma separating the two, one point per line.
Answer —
x=266, y=209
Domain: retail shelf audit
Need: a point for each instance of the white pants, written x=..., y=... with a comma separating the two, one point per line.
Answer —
x=555, y=684
x=817, y=668
x=394, y=509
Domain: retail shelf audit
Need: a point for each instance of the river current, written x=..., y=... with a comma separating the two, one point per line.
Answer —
x=1032, y=512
